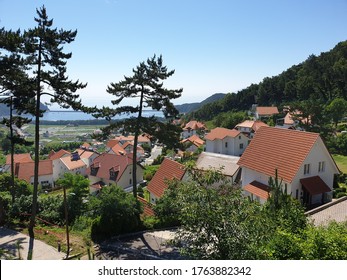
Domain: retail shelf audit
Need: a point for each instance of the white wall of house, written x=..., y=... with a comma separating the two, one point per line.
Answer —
x=188, y=132
x=234, y=146
x=125, y=181
x=59, y=169
x=317, y=154
x=249, y=175
x=44, y=179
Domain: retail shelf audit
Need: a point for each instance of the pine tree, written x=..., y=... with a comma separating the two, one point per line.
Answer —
x=41, y=50
x=147, y=86
x=15, y=88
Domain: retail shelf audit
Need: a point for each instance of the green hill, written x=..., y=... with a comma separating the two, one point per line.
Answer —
x=190, y=107
x=320, y=78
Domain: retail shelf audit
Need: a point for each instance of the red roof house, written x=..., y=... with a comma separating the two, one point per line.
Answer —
x=249, y=127
x=114, y=169
x=301, y=159
x=168, y=170
x=25, y=171
x=265, y=112
x=226, y=141
x=192, y=128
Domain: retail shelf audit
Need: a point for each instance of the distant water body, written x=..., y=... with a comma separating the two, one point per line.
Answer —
x=77, y=115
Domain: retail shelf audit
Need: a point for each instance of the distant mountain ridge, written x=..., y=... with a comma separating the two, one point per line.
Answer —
x=320, y=78
x=190, y=107
x=5, y=110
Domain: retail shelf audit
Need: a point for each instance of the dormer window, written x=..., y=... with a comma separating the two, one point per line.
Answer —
x=114, y=172
x=94, y=168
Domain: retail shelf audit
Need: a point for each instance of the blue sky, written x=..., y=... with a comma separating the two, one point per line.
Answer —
x=214, y=46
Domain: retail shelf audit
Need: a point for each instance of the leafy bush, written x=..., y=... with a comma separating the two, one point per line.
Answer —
x=341, y=194
x=116, y=212
x=52, y=209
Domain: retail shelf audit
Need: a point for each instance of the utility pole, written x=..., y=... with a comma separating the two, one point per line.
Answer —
x=67, y=224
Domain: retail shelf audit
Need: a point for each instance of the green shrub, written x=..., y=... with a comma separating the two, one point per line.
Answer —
x=341, y=194
x=151, y=222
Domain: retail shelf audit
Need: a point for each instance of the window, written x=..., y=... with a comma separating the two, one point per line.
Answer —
x=297, y=194
x=241, y=145
x=239, y=136
x=321, y=166
x=130, y=181
x=307, y=168
x=226, y=144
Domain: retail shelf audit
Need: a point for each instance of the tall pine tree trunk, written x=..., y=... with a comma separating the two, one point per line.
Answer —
x=12, y=151
x=37, y=147
x=137, y=132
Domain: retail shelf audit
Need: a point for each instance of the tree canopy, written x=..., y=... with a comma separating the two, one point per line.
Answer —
x=321, y=78
x=146, y=85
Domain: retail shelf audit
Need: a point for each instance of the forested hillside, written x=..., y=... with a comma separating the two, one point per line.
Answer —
x=189, y=107
x=320, y=78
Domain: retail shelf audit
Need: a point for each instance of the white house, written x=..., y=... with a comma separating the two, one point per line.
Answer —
x=265, y=112
x=192, y=128
x=193, y=143
x=250, y=127
x=25, y=171
x=114, y=169
x=226, y=141
x=168, y=170
x=226, y=164
x=301, y=159
x=17, y=158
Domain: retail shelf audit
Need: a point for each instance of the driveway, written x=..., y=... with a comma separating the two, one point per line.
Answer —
x=148, y=245
x=10, y=239
x=156, y=151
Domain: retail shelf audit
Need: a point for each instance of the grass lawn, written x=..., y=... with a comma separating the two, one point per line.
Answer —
x=341, y=162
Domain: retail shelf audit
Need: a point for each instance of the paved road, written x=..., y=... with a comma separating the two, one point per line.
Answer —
x=150, y=245
x=42, y=251
x=336, y=212
x=156, y=151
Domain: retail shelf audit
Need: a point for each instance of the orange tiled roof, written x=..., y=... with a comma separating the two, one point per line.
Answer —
x=267, y=110
x=258, y=189
x=168, y=170
x=118, y=150
x=288, y=119
x=221, y=133
x=58, y=154
x=19, y=158
x=255, y=125
x=195, y=125
x=73, y=164
x=195, y=140
x=281, y=149
x=85, y=145
x=125, y=138
x=143, y=138
x=147, y=207
x=105, y=162
x=112, y=142
x=25, y=170
x=85, y=153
